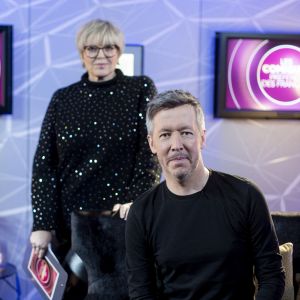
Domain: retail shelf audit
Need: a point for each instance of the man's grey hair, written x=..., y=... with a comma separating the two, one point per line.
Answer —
x=171, y=99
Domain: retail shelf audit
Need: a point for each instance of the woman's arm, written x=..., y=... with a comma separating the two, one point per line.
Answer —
x=45, y=196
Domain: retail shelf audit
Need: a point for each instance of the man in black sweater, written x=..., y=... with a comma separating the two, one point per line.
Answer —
x=200, y=234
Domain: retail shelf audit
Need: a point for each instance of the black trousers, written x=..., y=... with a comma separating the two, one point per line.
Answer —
x=76, y=286
x=99, y=240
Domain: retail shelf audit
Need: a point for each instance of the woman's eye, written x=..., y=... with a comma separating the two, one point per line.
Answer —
x=92, y=48
x=109, y=47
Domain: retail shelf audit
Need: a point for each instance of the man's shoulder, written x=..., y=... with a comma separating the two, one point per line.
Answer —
x=149, y=198
x=232, y=180
x=234, y=187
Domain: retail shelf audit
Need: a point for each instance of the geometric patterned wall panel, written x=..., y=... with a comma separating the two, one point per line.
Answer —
x=179, y=53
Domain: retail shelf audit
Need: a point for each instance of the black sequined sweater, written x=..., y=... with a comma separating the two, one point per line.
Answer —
x=92, y=151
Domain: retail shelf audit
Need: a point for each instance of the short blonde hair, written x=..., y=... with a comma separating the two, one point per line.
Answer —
x=100, y=32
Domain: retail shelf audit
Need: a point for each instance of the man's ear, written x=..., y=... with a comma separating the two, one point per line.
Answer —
x=150, y=142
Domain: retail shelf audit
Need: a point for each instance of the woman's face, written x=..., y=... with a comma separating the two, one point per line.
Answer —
x=100, y=61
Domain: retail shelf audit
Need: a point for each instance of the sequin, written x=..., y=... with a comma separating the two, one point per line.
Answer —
x=93, y=150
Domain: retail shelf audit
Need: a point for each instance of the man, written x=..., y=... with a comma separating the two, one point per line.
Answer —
x=200, y=233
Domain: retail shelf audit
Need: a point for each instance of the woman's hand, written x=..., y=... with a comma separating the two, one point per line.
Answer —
x=123, y=209
x=39, y=240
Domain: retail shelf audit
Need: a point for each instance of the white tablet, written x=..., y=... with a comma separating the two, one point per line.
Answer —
x=48, y=275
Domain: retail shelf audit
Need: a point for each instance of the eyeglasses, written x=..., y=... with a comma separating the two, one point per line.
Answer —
x=93, y=51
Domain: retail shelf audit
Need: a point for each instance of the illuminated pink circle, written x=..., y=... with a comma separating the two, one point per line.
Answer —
x=278, y=75
x=43, y=271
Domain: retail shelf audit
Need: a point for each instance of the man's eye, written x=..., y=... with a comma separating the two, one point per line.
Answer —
x=164, y=135
x=186, y=133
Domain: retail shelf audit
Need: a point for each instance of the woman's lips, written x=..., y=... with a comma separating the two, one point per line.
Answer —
x=100, y=65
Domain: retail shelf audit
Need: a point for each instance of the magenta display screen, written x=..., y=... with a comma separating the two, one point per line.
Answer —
x=1, y=69
x=5, y=69
x=257, y=75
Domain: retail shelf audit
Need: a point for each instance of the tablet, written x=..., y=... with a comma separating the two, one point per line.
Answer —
x=48, y=275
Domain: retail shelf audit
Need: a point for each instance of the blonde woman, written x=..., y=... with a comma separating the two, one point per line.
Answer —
x=92, y=152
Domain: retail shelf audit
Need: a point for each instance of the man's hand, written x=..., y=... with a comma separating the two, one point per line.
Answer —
x=123, y=209
x=39, y=240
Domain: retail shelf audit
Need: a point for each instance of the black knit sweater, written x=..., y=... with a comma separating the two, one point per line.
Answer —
x=204, y=245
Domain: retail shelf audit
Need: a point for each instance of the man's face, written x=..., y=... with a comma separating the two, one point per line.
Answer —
x=177, y=142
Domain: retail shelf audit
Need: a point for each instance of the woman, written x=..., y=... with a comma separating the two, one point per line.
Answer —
x=92, y=152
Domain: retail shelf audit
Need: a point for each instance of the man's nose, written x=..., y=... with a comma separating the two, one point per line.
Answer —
x=176, y=142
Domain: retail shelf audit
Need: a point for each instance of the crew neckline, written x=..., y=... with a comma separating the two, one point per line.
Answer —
x=189, y=197
x=87, y=82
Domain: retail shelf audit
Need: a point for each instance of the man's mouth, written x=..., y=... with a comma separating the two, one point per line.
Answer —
x=178, y=157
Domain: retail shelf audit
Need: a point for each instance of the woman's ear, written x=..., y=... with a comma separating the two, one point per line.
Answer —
x=119, y=55
x=82, y=60
x=203, y=138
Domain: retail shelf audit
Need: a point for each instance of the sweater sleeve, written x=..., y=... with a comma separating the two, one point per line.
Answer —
x=146, y=169
x=267, y=259
x=44, y=188
x=140, y=266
